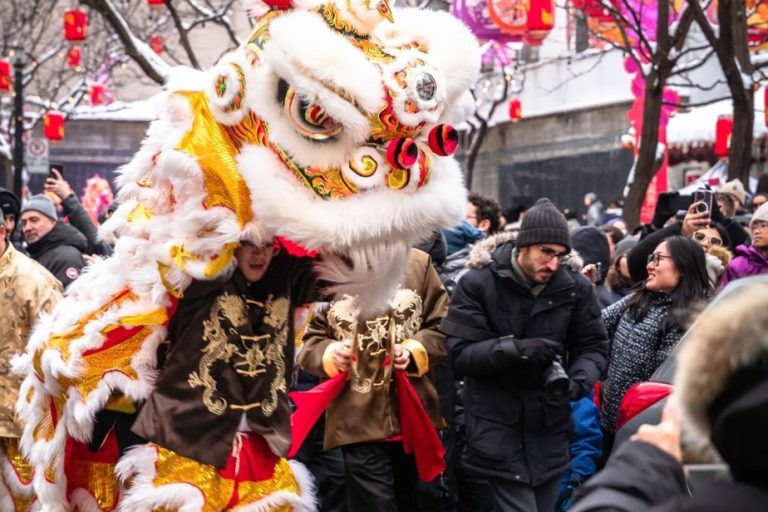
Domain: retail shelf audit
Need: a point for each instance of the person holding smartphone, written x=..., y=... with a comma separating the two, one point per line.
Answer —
x=702, y=215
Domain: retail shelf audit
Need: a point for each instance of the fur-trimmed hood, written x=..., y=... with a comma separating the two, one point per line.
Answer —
x=727, y=338
x=482, y=253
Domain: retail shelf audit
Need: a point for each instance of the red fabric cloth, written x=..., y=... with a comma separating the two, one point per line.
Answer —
x=253, y=462
x=292, y=247
x=310, y=405
x=418, y=433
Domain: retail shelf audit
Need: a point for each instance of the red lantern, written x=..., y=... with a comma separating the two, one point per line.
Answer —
x=6, y=82
x=75, y=25
x=97, y=94
x=156, y=43
x=53, y=125
x=74, y=57
x=541, y=20
x=594, y=10
x=534, y=39
x=511, y=16
x=155, y=3
x=723, y=130
x=515, y=110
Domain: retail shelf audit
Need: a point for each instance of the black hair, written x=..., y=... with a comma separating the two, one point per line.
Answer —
x=487, y=209
x=694, y=285
x=614, y=233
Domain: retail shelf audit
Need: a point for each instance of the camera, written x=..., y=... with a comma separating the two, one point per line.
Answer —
x=555, y=378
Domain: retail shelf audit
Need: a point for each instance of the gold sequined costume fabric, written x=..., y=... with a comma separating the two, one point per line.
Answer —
x=217, y=490
x=16, y=493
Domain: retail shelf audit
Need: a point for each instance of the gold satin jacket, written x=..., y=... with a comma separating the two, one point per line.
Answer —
x=27, y=289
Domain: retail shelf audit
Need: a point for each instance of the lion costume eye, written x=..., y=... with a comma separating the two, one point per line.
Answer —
x=309, y=119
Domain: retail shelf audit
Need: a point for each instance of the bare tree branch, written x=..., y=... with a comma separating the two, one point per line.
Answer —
x=153, y=66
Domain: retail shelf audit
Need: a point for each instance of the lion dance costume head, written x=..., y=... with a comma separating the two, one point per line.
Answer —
x=328, y=127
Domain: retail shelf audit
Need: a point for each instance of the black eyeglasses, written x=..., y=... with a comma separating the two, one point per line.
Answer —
x=713, y=240
x=549, y=254
x=656, y=257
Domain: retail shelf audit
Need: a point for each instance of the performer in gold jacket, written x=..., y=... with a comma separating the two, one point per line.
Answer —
x=27, y=290
x=365, y=418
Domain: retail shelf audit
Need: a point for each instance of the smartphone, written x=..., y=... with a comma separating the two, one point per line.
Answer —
x=703, y=200
x=58, y=167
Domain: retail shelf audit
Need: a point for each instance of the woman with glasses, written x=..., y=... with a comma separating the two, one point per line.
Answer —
x=751, y=259
x=715, y=242
x=696, y=219
x=644, y=327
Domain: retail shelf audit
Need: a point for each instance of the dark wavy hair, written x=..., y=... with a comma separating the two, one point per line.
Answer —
x=487, y=209
x=692, y=289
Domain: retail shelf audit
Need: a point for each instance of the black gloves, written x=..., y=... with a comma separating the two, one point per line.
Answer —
x=534, y=351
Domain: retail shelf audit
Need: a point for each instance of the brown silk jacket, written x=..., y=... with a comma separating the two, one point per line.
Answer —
x=367, y=408
x=231, y=354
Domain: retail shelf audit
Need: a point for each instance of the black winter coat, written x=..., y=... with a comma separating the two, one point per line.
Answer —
x=515, y=429
x=640, y=477
x=61, y=252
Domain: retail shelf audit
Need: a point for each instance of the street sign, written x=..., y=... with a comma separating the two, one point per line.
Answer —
x=36, y=156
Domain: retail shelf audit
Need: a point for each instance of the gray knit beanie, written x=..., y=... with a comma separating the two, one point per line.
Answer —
x=543, y=224
x=40, y=203
x=760, y=214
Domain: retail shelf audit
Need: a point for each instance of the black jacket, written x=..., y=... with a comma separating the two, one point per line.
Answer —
x=640, y=477
x=515, y=429
x=61, y=252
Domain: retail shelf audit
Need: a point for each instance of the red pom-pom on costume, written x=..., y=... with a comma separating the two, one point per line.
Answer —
x=402, y=153
x=443, y=139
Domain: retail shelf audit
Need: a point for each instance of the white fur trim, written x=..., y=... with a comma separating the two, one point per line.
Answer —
x=305, y=501
x=376, y=216
x=10, y=483
x=332, y=61
x=83, y=501
x=139, y=465
x=451, y=46
x=372, y=278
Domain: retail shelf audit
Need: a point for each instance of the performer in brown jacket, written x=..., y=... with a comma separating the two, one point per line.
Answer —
x=218, y=421
x=365, y=418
